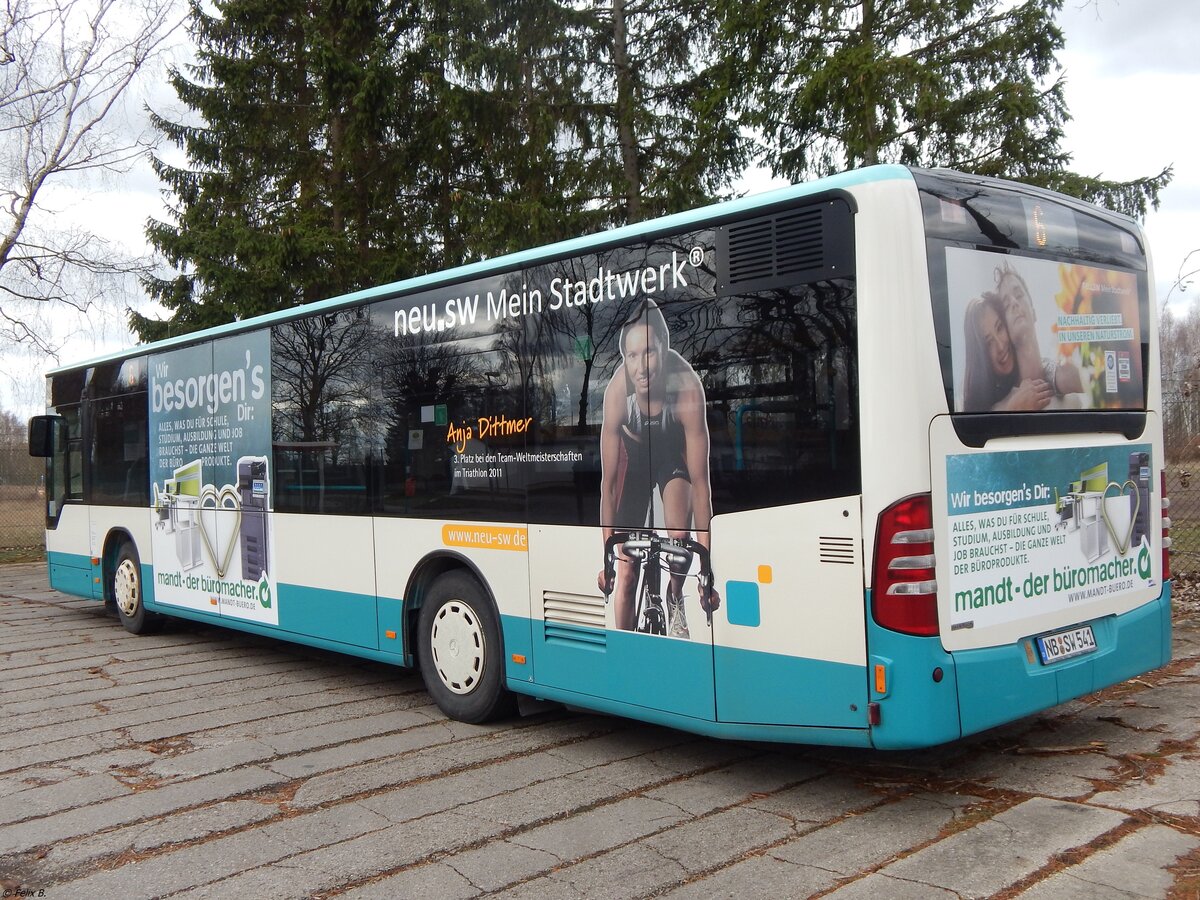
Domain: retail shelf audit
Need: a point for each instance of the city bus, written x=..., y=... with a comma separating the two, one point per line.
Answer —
x=875, y=461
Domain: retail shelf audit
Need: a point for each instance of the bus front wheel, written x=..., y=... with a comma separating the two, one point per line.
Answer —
x=126, y=592
x=460, y=651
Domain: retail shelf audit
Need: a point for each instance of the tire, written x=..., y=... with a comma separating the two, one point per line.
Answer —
x=125, y=588
x=461, y=652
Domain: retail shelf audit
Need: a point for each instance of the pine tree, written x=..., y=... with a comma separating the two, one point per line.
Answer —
x=528, y=62
x=665, y=134
x=966, y=84
x=292, y=190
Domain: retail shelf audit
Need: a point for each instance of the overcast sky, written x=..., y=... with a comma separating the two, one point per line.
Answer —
x=1133, y=76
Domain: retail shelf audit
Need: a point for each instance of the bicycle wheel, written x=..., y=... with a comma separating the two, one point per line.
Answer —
x=652, y=619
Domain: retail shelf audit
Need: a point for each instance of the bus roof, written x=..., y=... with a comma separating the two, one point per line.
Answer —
x=532, y=256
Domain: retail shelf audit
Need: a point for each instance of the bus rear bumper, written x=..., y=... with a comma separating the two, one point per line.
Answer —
x=933, y=696
x=999, y=684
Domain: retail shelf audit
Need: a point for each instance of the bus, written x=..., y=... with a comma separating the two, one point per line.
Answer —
x=875, y=461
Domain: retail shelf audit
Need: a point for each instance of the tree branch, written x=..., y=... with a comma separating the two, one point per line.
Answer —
x=65, y=68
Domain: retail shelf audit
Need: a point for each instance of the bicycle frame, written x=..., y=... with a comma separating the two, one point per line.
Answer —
x=649, y=551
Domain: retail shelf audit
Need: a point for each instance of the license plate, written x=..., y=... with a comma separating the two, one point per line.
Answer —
x=1066, y=644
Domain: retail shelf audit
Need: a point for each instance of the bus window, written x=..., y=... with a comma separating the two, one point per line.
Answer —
x=324, y=429
x=453, y=408
x=573, y=353
x=119, y=463
x=118, y=460
x=1040, y=305
x=65, y=470
x=782, y=398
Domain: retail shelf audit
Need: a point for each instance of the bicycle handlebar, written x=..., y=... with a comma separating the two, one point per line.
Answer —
x=647, y=546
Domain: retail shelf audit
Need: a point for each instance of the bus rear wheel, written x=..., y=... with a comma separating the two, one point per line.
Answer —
x=125, y=588
x=461, y=651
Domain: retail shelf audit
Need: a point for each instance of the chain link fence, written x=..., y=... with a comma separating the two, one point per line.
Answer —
x=1181, y=434
x=22, y=500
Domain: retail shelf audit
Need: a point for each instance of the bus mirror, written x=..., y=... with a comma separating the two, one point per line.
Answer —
x=41, y=435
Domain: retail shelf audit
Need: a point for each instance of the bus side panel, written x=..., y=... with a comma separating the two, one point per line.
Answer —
x=67, y=555
x=326, y=577
x=103, y=522
x=578, y=647
x=918, y=702
x=496, y=553
x=80, y=538
x=71, y=574
x=999, y=684
x=775, y=688
x=900, y=383
x=789, y=633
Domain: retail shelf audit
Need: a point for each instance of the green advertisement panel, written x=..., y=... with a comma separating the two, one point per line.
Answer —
x=210, y=461
x=1037, y=531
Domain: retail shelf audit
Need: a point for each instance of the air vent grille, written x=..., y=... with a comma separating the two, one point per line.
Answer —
x=797, y=245
x=838, y=550
x=576, y=619
x=573, y=609
x=785, y=244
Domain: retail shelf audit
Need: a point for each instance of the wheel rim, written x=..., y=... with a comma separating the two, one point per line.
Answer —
x=456, y=642
x=125, y=588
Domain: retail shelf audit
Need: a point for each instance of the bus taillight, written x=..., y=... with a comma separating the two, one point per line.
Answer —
x=1166, y=529
x=904, y=587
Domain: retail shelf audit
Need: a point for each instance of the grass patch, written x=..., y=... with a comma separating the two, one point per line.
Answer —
x=21, y=555
x=1185, y=546
x=22, y=522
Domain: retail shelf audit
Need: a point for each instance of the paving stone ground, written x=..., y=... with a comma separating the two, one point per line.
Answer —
x=206, y=763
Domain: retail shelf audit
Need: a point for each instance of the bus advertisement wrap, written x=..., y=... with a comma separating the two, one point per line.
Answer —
x=210, y=445
x=640, y=471
x=1042, y=530
x=1033, y=334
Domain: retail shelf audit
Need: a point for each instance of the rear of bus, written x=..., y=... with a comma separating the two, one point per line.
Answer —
x=1013, y=457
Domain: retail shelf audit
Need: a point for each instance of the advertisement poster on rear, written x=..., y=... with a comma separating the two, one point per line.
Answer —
x=1038, y=531
x=210, y=464
x=1037, y=334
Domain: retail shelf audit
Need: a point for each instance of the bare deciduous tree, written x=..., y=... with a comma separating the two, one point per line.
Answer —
x=1188, y=270
x=65, y=68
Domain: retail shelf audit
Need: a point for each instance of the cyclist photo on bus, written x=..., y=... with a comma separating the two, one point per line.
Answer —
x=654, y=449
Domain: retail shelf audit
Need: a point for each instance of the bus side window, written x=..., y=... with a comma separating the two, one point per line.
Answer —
x=72, y=479
x=120, y=464
x=452, y=417
x=324, y=420
x=782, y=398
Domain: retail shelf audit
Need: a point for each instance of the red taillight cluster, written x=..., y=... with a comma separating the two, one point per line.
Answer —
x=1166, y=530
x=904, y=587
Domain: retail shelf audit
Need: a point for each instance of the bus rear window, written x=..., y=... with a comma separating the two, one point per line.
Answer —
x=1032, y=334
x=1039, y=306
